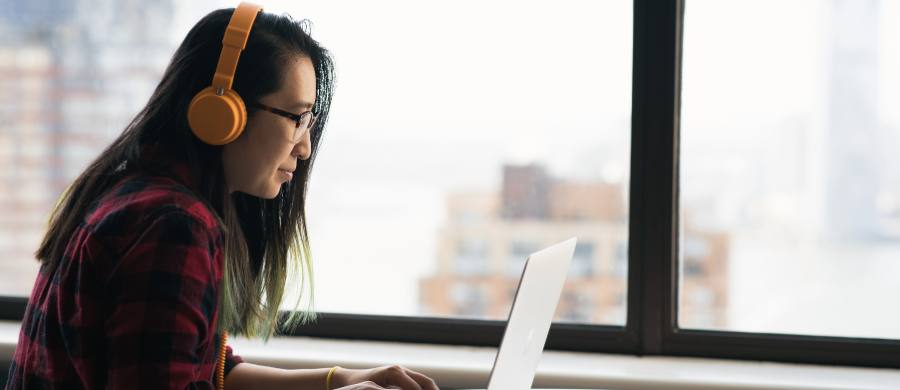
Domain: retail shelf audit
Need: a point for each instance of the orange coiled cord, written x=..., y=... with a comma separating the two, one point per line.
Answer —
x=220, y=364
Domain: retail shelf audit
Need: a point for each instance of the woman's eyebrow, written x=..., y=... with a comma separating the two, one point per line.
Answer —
x=302, y=104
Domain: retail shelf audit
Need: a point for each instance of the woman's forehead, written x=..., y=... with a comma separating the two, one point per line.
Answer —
x=298, y=89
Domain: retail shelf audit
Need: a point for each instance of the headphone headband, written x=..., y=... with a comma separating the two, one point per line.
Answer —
x=234, y=41
x=217, y=114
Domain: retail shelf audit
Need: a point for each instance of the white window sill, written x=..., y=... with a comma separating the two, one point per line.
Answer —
x=469, y=367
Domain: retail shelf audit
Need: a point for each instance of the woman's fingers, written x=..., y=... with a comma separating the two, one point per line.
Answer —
x=367, y=385
x=397, y=375
x=394, y=377
x=424, y=382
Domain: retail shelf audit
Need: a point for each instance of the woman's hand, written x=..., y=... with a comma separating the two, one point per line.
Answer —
x=367, y=385
x=387, y=377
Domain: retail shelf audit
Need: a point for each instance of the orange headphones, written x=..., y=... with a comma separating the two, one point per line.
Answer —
x=217, y=114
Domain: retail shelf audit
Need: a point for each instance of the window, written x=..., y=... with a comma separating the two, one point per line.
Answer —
x=518, y=251
x=499, y=151
x=582, y=261
x=471, y=257
x=524, y=124
x=620, y=263
x=790, y=172
x=470, y=166
x=469, y=300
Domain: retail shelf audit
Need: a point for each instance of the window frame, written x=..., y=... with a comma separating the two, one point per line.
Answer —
x=651, y=326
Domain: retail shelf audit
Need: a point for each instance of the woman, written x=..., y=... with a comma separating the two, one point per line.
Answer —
x=176, y=235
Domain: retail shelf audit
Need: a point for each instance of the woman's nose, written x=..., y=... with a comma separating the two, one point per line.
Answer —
x=302, y=149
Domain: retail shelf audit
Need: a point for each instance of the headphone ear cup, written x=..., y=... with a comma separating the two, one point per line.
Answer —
x=217, y=119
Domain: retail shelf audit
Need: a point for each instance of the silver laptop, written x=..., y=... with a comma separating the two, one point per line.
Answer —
x=530, y=317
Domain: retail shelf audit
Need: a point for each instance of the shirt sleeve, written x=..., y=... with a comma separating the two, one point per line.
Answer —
x=231, y=360
x=162, y=296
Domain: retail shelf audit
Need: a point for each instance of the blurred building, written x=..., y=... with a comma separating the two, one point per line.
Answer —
x=482, y=250
x=72, y=75
x=703, y=291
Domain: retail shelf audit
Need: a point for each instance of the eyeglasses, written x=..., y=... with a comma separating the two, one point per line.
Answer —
x=302, y=122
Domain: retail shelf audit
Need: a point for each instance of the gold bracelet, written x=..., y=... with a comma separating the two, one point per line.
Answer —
x=328, y=378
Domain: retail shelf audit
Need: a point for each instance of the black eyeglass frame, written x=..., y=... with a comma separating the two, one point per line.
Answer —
x=297, y=118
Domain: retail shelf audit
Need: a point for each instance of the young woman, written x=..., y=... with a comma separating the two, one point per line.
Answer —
x=187, y=225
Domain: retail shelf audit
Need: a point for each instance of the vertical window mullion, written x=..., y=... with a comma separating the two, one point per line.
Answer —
x=653, y=195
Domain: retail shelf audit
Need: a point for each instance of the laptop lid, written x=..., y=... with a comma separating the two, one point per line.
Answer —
x=530, y=316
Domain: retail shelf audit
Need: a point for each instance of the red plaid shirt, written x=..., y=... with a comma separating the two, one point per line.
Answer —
x=133, y=303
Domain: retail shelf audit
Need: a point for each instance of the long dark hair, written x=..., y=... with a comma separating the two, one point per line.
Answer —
x=265, y=240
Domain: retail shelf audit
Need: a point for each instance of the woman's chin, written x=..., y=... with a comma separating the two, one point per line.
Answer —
x=268, y=192
x=271, y=193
